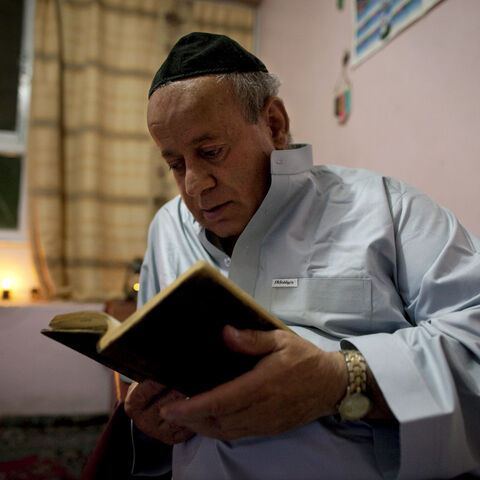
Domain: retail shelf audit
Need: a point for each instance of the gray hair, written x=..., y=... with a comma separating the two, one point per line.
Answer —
x=252, y=90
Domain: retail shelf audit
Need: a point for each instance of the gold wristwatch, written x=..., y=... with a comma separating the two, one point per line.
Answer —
x=356, y=404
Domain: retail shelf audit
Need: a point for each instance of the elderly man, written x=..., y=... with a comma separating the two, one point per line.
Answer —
x=383, y=380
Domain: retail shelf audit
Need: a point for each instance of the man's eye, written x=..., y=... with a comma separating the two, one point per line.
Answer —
x=213, y=153
x=175, y=167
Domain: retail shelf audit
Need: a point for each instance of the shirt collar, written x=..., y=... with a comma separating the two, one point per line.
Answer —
x=298, y=158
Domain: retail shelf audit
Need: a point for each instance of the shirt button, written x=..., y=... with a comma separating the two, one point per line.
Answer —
x=227, y=261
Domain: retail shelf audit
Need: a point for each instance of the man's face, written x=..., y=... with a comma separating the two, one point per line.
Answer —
x=219, y=161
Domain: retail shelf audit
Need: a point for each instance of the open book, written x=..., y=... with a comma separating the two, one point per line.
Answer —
x=175, y=338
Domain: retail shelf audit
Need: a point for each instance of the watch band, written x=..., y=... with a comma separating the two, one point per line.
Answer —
x=357, y=371
x=356, y=404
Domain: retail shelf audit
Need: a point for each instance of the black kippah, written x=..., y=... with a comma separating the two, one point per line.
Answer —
x=203, y=54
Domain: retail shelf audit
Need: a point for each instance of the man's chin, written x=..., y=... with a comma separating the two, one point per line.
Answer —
x=221, y=238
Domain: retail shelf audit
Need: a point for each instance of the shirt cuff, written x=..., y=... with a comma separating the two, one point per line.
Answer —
x=419, y=415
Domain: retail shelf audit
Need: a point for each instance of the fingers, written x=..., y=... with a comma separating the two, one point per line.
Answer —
x=170, y=433
x=216, y=413
x=252, y=342
x=143, y=404
x=215, y=402
x=235, y=395
x=140, y=395
x=226, y=412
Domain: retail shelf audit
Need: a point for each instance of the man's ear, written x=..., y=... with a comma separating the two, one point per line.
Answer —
x=276, y=118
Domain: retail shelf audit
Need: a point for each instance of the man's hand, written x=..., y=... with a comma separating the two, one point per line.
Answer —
x=143, y=403
x=293, y=384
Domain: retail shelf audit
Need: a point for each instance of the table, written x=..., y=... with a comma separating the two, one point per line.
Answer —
x=39, y=376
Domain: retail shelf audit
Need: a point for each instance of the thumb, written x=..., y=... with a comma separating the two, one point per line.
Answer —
x=250, y=342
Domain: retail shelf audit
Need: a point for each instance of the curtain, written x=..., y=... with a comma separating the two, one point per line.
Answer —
x=95, y=177
x=235, y=20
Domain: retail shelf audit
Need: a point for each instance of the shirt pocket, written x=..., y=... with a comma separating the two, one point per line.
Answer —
x=336, y=305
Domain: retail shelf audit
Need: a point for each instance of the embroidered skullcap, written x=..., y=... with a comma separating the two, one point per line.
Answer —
x=199, y=53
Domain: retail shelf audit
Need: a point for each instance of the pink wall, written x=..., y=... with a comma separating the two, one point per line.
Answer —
x=416, y=112
x=42, y=377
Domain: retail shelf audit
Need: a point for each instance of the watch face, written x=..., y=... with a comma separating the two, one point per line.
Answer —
x=354, y=407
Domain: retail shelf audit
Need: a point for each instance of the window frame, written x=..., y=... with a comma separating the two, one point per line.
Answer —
x=13, y=142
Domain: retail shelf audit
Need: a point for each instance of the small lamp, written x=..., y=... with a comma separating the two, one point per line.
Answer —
x=6, y=287
x=132, y=276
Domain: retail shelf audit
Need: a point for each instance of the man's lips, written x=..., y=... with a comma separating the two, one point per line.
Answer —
x=214, y=212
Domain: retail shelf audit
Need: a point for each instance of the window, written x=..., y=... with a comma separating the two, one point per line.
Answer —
x=16, y=53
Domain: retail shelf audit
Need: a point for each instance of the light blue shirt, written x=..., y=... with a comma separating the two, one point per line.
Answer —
x=376, y=264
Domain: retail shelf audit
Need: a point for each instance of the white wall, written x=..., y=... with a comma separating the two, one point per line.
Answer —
x=416, y=113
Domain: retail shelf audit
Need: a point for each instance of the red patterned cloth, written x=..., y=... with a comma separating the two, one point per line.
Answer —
x=33, y=468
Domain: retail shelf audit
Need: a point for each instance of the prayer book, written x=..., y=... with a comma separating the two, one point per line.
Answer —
x=176, y=337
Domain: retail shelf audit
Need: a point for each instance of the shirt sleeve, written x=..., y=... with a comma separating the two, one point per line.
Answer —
x=429, y=374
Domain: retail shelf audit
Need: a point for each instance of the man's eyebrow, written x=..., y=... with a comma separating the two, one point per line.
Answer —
x=194, y=141
x=169, y=154
x=201, y=139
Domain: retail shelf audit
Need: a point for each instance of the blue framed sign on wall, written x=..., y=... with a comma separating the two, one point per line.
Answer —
x=376, y=22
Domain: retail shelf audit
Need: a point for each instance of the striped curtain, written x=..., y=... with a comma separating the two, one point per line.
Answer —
x=95, y=176
x=235, y=20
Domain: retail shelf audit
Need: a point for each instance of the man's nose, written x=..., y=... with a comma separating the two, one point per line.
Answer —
x=197, y=180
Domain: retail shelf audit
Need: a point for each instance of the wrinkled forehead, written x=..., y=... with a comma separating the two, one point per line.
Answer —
x=182, y=112
x=200, y=94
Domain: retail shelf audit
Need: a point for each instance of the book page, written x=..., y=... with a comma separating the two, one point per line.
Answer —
x=83, y=321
